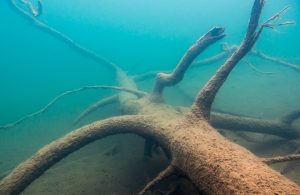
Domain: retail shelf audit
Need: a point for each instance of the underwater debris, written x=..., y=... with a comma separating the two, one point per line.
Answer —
x=195, y=148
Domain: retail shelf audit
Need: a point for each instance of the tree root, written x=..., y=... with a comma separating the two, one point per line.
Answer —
x=169, y=171
x=14, y=124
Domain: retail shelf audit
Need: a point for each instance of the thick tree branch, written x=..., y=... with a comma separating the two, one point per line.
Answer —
x=35, y=166
x=280, y=159
x=169, y=171
x=62, y=37
x=14, y=124
x=202, y=106
x=163, y=80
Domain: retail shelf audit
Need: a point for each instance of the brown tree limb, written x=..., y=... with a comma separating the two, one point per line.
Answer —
x=95, y=106
x=44, y=109
x=202, y=106
x=169, y=171
x=62, y=37
x=31, y=169
x=280, y=159
x=240, y=123
x=163, y=80
x=289, y=166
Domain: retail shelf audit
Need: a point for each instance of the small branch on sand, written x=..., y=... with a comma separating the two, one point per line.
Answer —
x=169, y=171
x=163, y=80
x=280, y=159
x=14, y=124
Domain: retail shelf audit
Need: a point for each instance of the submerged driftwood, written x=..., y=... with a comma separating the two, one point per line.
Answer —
x=195, y=148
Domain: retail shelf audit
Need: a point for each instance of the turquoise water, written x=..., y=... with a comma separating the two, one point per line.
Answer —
x=139, y=36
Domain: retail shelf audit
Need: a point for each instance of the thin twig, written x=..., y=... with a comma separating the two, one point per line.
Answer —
x=11, y=125
x=255, y=69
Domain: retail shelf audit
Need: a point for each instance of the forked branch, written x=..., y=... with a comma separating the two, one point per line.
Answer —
x=202, y=106
x=177, y=75
x=44, y=109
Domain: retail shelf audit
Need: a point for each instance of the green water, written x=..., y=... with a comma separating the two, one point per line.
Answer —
x=139, y=36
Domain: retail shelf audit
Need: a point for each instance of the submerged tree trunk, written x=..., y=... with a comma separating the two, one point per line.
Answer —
x=195, y=148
